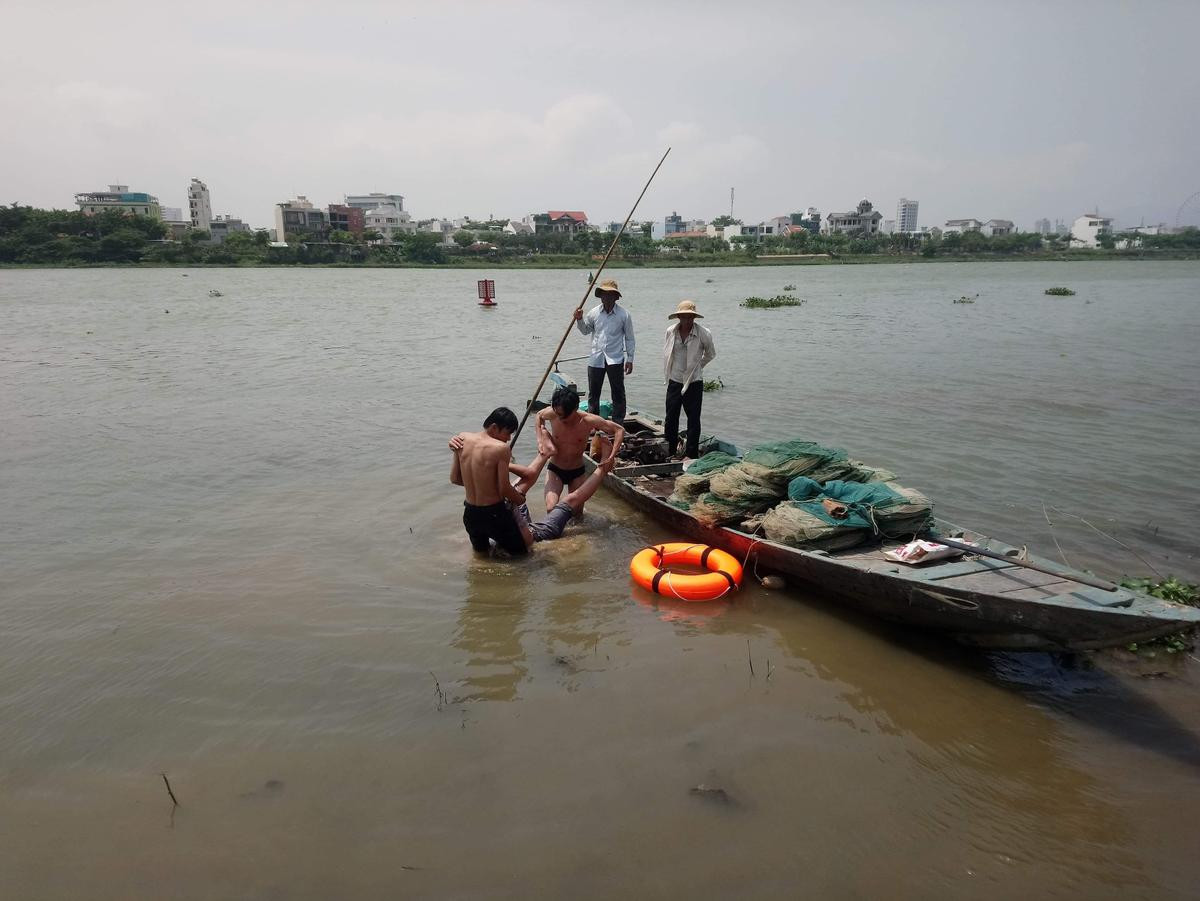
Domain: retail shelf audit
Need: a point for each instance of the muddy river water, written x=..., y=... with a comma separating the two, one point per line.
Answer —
x=229, y=553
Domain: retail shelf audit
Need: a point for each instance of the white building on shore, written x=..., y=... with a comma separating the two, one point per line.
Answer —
x=958, y=226
x=1087, y=228
x=389, y=220
x=995, y=227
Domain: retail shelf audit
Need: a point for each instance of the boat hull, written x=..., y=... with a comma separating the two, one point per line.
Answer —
x=1074, y=617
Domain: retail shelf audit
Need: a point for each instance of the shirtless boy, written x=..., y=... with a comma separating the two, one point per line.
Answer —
x=494, y=508
x=565, y=442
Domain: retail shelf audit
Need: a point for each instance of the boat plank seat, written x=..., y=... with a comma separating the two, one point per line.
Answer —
x=1101, y=598
x=1040, y=592
x=865, y=554
x=952, y=569
x=1000, y=580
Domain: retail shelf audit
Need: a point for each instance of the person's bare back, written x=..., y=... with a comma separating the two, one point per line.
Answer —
x=483, y=470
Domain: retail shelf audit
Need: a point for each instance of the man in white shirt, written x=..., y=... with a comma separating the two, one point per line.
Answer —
x=611, y=328
x=687, y=350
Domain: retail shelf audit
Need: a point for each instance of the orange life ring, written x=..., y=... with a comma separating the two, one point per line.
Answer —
x=725, y=573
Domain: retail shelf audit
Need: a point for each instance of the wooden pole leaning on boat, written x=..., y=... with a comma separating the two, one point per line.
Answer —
x=995, y=555
x=579, y=306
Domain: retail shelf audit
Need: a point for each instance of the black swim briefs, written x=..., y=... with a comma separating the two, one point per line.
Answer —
x=567, y=475
x=496, y=522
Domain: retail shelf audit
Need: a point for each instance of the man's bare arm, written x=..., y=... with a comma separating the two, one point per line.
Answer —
x=504, y=486
x=616, y=432
x=545, y=439
x=456, y=445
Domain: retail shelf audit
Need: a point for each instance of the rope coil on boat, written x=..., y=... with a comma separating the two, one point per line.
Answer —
x=724, y=572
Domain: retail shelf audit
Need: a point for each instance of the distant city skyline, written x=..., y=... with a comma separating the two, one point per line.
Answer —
x=906, y=213
x=463, y=123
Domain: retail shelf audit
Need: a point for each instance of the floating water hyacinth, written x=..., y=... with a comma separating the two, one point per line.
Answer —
x=771, y=303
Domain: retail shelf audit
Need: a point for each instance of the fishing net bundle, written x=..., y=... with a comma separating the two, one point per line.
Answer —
x=710, y=463
x=718, y=490
x=858, y=471
x=797, y=525
x=842, y=468
x=886, y=508
x=760, y=480
x=710, y=510
x=695, y=481
x=788, y=459
x=909, y=516
x=750, y=484
x=736, y=492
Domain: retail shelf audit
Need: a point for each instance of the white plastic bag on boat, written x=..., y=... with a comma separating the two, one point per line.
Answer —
x=922, y=552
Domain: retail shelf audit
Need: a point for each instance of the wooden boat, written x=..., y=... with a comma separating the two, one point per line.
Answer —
x=973, y=599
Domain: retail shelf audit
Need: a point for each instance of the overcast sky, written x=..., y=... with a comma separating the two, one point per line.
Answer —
x=994, y=110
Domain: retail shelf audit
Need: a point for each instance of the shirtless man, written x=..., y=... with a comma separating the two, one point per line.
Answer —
x=564, y=444
x=481, y=465
x=494, y=508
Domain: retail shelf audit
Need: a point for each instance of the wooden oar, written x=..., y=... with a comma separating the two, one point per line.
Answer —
x=984, y=552
x=591, y=284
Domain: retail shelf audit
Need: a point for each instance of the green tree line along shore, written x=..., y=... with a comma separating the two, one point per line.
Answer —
x=31, y=236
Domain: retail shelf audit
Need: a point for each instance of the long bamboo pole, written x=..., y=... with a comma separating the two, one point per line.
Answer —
x=579, y=306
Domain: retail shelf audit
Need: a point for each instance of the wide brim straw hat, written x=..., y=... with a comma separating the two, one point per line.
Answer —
x=609, y=285
x=685, y=308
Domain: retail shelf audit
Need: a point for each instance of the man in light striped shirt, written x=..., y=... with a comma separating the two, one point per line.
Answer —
x=611, y=328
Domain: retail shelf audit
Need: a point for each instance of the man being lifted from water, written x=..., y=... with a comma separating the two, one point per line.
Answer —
x=495, y=508
x=562, y=435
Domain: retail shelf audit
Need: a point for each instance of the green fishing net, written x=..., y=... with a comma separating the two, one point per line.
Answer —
x=795, y=524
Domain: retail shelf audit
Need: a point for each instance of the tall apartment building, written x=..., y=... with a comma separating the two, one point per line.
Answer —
x=1042, y=226
x=199, y=207
x=906, y=216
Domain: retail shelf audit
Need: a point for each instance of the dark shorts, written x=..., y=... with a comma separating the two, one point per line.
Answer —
x=496, y=522
x=552, y=526
x=567, y=475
